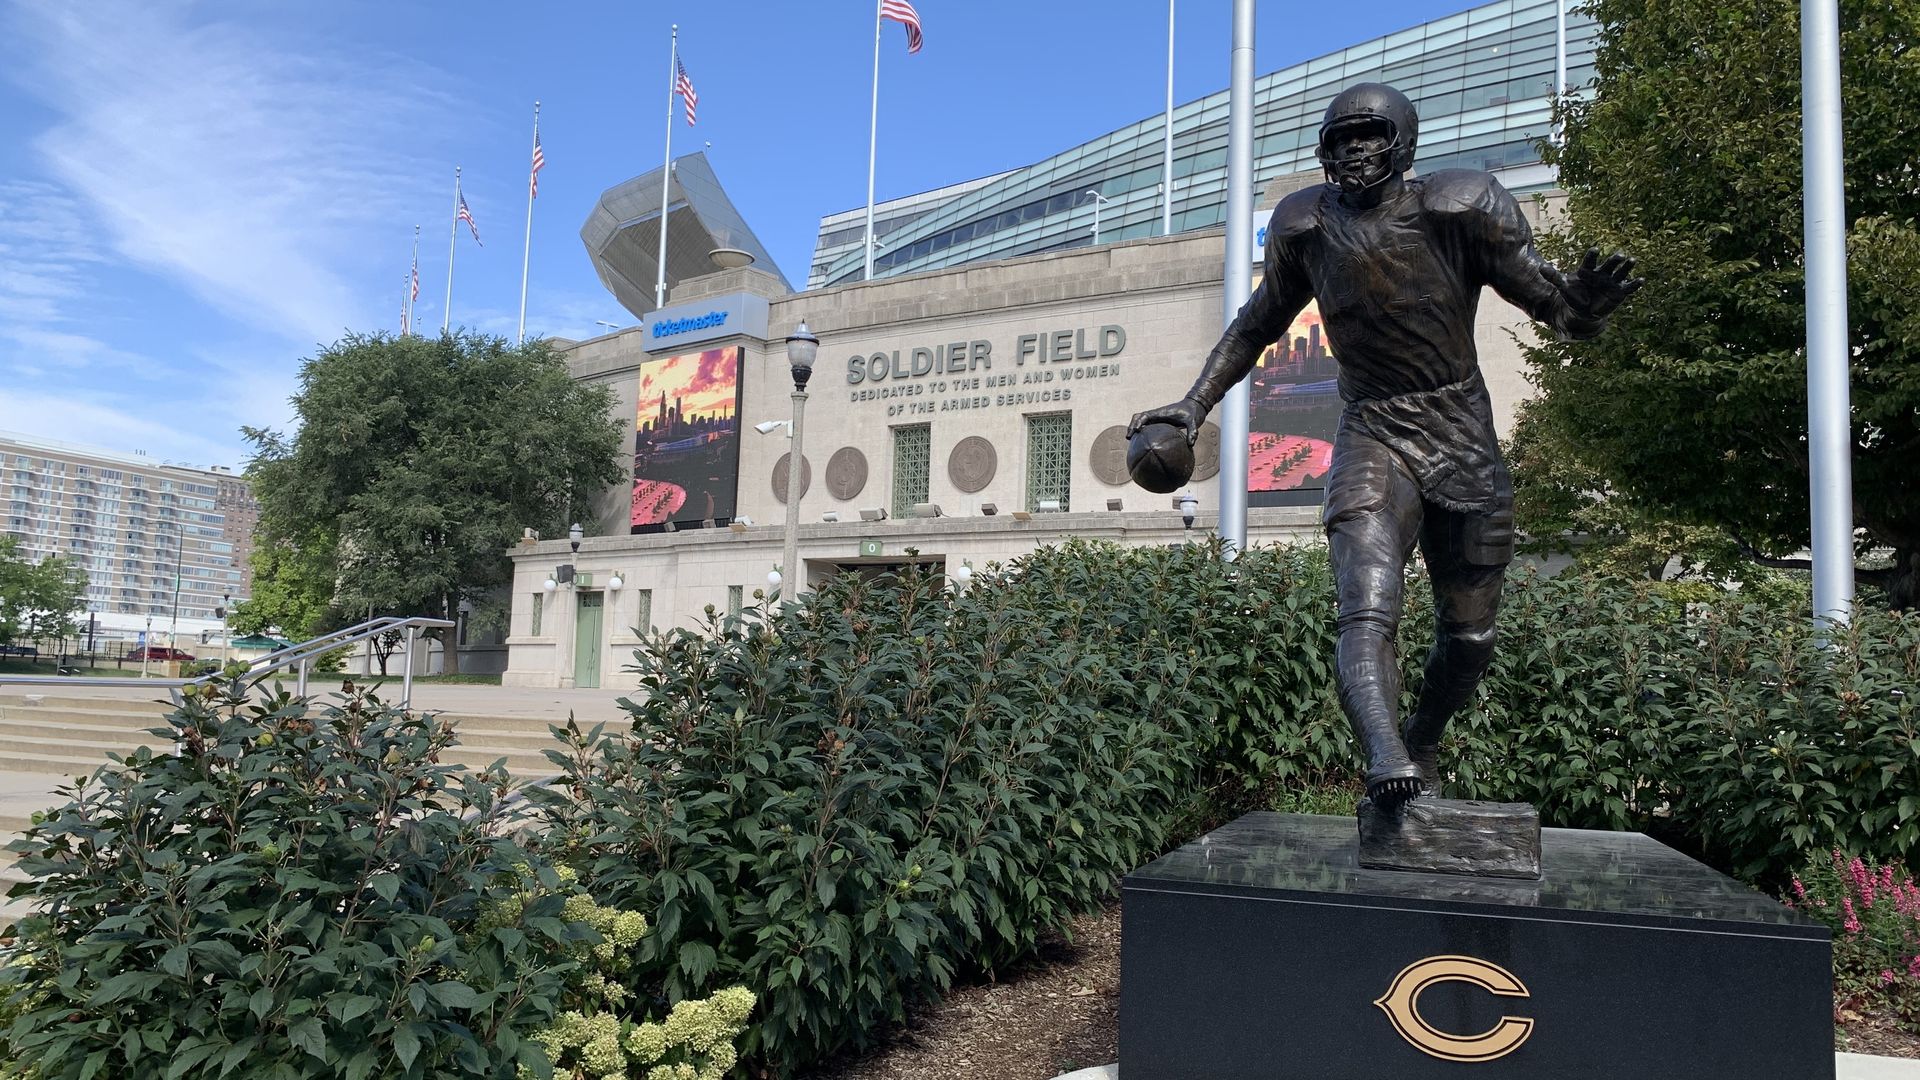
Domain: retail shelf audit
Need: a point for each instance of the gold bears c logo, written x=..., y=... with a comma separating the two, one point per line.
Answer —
x=1401, y=1003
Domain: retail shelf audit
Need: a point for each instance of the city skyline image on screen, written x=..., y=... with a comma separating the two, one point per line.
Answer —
x=1295, y=405
x=686, y=439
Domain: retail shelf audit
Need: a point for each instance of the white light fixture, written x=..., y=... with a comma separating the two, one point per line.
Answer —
x=728, y=258
x=926, y=510
x=773, y=580
x=989, y=509
x=831, y=515
x=1050, y=506
x=738, y=526
x=614, y=582
x=1189, y=506
x=549, y=585
x=574, y=535
x=1022, y=515
x=962, y=574
x=768, y=427
x=873, y=513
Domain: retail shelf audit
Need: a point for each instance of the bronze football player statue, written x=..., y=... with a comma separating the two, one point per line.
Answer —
x=1397, y=265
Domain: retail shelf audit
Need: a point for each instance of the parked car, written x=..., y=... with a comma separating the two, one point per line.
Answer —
x=159, y=652
x=27, y=651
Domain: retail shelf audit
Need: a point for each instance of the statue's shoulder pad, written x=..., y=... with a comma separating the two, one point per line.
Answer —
x=1457, y=191
x=1297, y=214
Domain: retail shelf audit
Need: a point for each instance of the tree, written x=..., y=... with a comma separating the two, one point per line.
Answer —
x=1693, y=403
x=418, y=461
x=40, y=600
x=293, y=587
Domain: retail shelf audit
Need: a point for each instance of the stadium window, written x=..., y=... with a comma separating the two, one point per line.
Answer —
x=912, y=465
x=735, y=599
x=643, y=615
x=1049, y=459
x=536, y=612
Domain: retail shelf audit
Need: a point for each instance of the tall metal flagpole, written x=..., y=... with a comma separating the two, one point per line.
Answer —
x=526, y=253
x=453, y=233
x=1239, y=275
x=413, y=276
x=1166, y=163
x=873, y=136
x=666, y=170
x=1559, y=64
x=1829, y=435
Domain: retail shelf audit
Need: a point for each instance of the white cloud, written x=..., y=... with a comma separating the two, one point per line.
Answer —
x=247, y=169
x=117, y=422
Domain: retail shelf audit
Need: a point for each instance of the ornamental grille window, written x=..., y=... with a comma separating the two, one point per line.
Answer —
x=735, y=600
x=912, y=460
x=1049, y=459
x=533, y=630
x=643, y=618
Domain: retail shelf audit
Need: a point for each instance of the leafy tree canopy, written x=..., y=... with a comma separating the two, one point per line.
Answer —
x=293, y=588
x=418, y=461
x=38, y=600
x=1693, y=403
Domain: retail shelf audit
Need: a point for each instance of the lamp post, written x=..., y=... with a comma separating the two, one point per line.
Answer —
x=1189, y=507
x=1098, y=201
x=802, y=347
x=226, y=639
x=179, y=546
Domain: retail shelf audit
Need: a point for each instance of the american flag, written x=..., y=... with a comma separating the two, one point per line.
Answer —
x=416, y=277
x=406, y=312
x=684, y=87
x=466, y=215
x=539, y=162
x=901, y=11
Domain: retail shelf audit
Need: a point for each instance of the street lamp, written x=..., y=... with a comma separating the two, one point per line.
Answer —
x=1098, y=201
x=1189, y=506
x=179, y=546
x=802, y=347
x=611, y=327
x=226, y=639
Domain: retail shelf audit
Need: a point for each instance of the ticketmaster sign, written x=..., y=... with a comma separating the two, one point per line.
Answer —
x=673, y=328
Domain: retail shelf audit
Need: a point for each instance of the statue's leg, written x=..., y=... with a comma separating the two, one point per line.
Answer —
x=1373, y=518
x=1466, y=556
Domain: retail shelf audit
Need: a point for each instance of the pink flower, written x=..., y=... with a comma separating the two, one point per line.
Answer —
x=1799, y=887
x=1853, y=921
x=1913, y=967
x=1862, y=880
x=1887, y=977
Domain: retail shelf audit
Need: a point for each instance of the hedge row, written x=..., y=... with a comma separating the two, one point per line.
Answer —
x=846, y=803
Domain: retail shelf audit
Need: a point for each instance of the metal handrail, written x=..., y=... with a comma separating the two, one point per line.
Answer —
x=301, y=655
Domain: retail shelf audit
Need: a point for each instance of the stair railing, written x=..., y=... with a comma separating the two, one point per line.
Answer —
x=300, y=656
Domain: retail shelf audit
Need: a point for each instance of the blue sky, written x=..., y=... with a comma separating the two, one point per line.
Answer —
x=195, y=196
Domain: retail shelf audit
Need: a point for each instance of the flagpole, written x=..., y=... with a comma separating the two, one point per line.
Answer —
x=526, y=253
x=666, y=171
x=1166, y=158
x=453, y=233
x=413, y=276
x=873, y=136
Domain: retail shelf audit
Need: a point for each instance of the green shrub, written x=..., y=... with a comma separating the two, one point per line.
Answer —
x=1874, y=911
x=293, y=894
x=845, y=803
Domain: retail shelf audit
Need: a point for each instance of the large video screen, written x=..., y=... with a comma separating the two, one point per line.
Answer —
x=686, y=439
x=1295, y=405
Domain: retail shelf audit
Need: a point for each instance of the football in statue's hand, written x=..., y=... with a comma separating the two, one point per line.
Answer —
x=1159, y=458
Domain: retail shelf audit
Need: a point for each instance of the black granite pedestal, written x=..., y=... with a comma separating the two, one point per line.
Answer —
x=1264, y=950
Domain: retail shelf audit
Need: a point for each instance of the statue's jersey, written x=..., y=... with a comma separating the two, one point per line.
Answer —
x=1398, y=284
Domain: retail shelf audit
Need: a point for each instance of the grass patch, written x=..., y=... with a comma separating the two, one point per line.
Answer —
x=13, y=665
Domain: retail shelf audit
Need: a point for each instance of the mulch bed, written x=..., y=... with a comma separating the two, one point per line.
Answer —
x=1062, y=1012
x=1057, y=1014
x=1874, y=1033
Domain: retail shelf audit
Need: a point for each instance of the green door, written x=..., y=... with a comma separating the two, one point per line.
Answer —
x=586, y=640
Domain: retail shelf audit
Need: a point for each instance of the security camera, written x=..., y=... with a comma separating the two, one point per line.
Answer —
x=768, y=427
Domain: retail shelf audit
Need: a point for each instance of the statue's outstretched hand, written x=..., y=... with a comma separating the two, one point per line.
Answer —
x=1185, y=413
x=1595, y=288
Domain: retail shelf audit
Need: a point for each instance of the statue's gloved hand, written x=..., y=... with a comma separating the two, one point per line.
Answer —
x=1595, y=288
x=1186, y=414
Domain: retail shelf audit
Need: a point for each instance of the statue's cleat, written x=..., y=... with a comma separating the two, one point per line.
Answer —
x=1391, y=785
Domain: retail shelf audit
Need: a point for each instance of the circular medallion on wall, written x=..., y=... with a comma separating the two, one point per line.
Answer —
x=780, y=477
x=1109, y=456
x=846, y=473
x=1206, y=452
x=972, y=464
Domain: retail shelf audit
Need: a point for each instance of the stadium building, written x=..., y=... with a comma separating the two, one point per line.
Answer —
x=969, y=404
